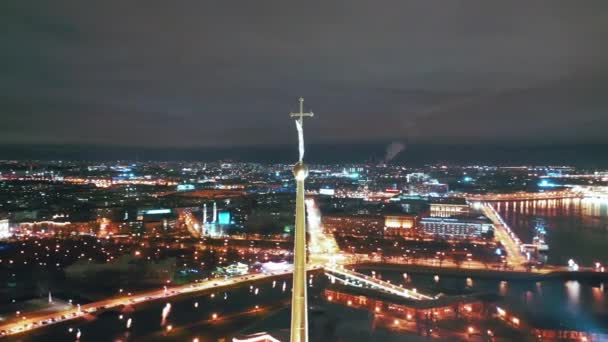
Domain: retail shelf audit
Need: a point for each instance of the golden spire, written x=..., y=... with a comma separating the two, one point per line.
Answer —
x=299, y=304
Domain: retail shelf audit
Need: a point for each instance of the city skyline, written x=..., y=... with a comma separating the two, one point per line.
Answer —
x=409, y=154
x=207, y=244
x=452, y=183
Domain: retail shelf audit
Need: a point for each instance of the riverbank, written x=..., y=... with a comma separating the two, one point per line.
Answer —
x=485, y=273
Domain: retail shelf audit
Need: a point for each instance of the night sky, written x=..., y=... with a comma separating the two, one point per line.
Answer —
x=227, y=73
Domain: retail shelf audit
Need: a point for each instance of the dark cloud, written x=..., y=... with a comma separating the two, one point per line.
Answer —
x=222, y=73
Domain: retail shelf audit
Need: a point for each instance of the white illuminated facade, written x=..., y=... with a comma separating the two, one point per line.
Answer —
x=456, y=228
x=448, y=209
x=4, y=229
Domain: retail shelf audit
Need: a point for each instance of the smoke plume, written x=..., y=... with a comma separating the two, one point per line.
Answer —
x=393, y=149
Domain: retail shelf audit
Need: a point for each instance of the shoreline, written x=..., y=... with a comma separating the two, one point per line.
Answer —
x=482, y=273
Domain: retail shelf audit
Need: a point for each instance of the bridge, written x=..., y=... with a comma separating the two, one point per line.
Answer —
x=505, y=235
x=40, y=319
x=603, y=176
x=37, y=320
x=353, y=278
x=524, y=196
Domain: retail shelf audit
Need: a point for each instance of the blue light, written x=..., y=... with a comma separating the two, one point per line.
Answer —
x=546, y=184
x=468, y=179
x=185, y=187
x=223, y=217
x=158, y=211
x=498, y=251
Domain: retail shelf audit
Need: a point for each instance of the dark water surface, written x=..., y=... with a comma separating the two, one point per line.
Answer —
x=554, y=302
x=576, y=228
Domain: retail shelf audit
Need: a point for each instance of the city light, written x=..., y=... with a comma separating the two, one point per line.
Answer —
x=452, y=183
x=337, y=243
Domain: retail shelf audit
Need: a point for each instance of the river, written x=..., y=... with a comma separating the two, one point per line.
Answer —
x=191, y=317
x=575, y=228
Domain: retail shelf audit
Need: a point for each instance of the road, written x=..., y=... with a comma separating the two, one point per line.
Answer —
x=322, y=246
x=192, y=224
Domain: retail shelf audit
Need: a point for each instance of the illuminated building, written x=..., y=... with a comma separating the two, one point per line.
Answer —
x=327, y=191
x=224, y=218
x=153, y=219
x=448, y=207
x=403, y=224
x=53, y=227
x=417, y=177
x=443, y=308
x=237, y=269
x=432, y=188
x=4, y=229
x=271, y=266
x=147, y=213
x=456, y=227
x=185, y=187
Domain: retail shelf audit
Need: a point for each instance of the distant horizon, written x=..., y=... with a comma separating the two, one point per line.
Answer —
x=582, y=155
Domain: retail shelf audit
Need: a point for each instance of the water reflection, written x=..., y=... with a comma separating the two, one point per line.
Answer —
x=598, y=296
x=217, y=318
x=573, y=291
x=576, y=228
x=503, y=288
x=165, y=313
x=529, y=298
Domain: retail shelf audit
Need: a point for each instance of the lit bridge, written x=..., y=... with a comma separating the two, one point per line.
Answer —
x=524, y=196
x=353, y=278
